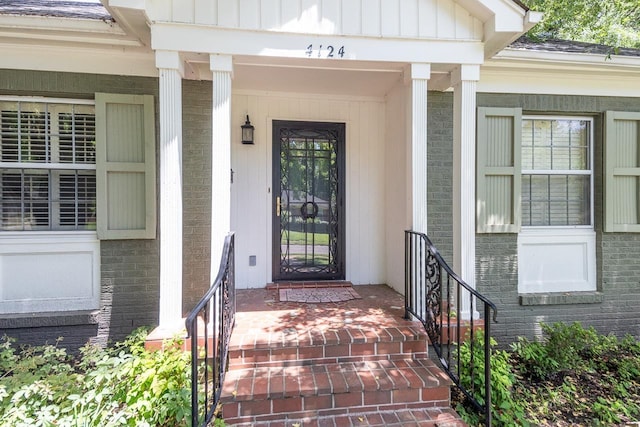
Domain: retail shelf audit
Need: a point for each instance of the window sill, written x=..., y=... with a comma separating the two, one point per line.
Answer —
x=560, y=298
x=56, y=318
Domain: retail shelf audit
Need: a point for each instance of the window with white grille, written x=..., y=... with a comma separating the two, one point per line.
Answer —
x=47, y=165
x=556, y=171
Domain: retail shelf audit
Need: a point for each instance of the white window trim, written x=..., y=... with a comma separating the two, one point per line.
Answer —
x=559, y=258
x=567, y=172
x=53, y=166
x=46, y=100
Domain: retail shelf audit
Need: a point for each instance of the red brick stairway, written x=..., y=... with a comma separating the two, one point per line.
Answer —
x=305, y=373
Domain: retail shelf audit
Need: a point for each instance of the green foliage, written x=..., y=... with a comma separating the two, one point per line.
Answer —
x=121, y=386
x=577, y=374
x=505, y=410
x=612, y=22
x=573, y=376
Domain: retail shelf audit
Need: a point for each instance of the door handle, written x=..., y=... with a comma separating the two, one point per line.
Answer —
x=277, y=206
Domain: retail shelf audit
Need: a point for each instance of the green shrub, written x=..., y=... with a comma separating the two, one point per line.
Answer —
x=121, y=386
x=573, y=376
x=505, y=411
x=578, y=374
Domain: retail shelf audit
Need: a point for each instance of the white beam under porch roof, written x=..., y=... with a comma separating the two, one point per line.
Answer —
x=215, y=40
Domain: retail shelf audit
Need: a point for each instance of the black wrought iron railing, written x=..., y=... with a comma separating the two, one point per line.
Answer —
x=209, y=327
x=445, y=305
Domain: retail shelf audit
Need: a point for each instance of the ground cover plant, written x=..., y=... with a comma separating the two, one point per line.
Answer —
x=573, y=377
x=123, y=385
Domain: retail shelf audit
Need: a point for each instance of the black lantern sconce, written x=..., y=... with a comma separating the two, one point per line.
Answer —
x=247, y=132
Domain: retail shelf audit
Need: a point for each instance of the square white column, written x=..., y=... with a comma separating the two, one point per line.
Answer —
x=464, y=81
x=170, y=70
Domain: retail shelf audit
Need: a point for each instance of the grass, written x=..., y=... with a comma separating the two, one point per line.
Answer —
x=298, y=238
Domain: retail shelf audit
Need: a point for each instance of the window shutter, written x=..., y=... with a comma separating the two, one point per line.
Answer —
x=622, y=172
x=125, y=166
x=498, y=170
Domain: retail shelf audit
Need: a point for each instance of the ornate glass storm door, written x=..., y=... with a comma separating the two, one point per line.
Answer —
x=308, y=205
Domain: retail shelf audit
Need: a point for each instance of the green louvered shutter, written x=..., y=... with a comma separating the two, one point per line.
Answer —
x=498, y=170
x=622, y=172
x=125, y=166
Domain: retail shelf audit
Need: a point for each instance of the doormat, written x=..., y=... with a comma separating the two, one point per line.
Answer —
x=318, y=295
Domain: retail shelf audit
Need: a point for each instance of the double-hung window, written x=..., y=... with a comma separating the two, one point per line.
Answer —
x=557, y=173
x=47, y=165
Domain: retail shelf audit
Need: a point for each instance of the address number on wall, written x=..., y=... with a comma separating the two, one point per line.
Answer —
x=320, y=51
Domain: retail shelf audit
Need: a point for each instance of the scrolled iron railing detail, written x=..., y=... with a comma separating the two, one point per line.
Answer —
x=433, y=296
x=209, y=352
x=433, y=303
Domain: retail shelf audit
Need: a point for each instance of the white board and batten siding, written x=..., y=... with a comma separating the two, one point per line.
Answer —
x=251, y=191
x=421, y=19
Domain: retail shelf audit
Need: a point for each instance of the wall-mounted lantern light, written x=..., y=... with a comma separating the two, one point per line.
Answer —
x=247, y=132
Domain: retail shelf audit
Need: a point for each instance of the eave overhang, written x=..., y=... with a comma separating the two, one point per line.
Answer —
x=561, y=73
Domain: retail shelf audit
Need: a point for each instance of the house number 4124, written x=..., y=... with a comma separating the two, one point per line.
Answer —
x=324, y=51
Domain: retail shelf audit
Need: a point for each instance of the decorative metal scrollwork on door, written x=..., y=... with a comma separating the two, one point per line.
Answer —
x=309, y=213
x=304, y=210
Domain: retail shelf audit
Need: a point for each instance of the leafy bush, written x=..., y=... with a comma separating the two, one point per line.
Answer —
x=574, y=376
x=504, y=409
x=578, y=375
x=121, y=386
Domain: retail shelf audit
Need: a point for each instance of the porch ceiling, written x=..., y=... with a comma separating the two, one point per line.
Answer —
x=353, y=78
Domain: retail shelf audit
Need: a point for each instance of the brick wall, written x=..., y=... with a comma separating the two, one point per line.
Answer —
x=196, y=176
x=440, y=172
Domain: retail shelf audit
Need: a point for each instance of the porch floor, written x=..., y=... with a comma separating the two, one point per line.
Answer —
x=261, y=316
x=346, y=363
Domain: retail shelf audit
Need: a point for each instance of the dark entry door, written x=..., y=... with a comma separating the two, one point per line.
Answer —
x=308, y=200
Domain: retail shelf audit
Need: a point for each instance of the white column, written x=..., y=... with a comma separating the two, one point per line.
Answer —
x=464, y=81
x=420, y=74
x=222, y=68
x=171, y=71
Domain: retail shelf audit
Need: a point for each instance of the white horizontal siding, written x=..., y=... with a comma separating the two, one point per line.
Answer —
x=251, y=213
x=442, y=19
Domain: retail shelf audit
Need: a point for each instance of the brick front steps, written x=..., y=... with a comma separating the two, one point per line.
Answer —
x=299, y=369
x=321, y=347
x=309, y=392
